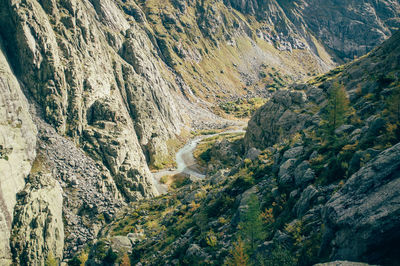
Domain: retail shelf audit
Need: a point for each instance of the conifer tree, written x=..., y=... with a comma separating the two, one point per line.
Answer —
x=251, y=227
x=338, y=105
x=239, y=256
x=394, y=105
x=125, y=260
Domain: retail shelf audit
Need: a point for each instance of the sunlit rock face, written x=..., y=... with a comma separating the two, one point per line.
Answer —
x=17, y=149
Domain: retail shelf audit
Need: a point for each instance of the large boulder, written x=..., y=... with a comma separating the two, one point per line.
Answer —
x=276, y=120
x=363, y=218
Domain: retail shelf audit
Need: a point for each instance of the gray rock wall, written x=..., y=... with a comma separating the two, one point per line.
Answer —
x=17, y=149
x=98, y=80
x=276, y=120
x=362, y=218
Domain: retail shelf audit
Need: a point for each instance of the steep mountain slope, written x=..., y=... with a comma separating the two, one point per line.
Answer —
x=115, y=86
x=347, y=28
x=308, y=183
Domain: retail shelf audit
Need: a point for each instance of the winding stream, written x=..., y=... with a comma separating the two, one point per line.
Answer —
x=185, y=161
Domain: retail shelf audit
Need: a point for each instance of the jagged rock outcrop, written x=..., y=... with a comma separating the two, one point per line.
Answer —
x=17, y=149
x=38, y=230
x=362, y=218
x=277, y=119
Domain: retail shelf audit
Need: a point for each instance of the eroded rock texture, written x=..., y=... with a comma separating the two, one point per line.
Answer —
x=38, y=230
x=348, y=28
x=363, y=217
x=17, y=149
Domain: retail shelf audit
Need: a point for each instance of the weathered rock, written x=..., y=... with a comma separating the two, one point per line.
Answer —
x=17, y=149
x=195, y=251
x=38, y=229
x=136, y=237
x=293, y=153
x=344, y=129
x=305, y=201
x=363, y=216
x=285, y=175
x=121, y=244
x=303, y=174
x=276, y=120
x=219, y=176
x=253, y=153
x=91, y=197
x=326, y=19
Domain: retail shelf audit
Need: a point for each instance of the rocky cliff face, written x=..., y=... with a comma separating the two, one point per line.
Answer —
x=87, y=89
x=17, y=149
x=347, y=28
x=363, y=216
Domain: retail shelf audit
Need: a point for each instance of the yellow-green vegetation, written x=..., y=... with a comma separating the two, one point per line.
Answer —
x=238, y=255
x=179, y=180
x=202, y=153
x=242, y=108
x=337, y=108
x=176, y=180
x=125, y=261
x=251, y=227
x=51, y=260
x=164, y=179
x=334, y=74
x=206, y=132
x=39, y=164
x=83, y=257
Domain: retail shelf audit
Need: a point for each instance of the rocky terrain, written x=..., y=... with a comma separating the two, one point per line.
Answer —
x=95, y=94
x=307, y=184
x=347, y=28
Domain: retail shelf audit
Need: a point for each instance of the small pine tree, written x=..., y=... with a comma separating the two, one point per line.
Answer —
x=125, y=260
x=239, y=256
x=110, y=257
x=338, y=106
x=393, y=103
x=251, y=227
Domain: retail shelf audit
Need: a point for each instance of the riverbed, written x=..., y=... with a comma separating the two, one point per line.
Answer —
x=185, y=161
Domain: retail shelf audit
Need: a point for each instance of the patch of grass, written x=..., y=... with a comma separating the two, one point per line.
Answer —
x=179, y=180
x=242, y=108
x=39, y=164
x=164, y=179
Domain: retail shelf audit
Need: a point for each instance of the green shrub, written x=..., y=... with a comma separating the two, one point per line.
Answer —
x=243, y=182
x=110, y=257
x=279, y=256
x=220, y=206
